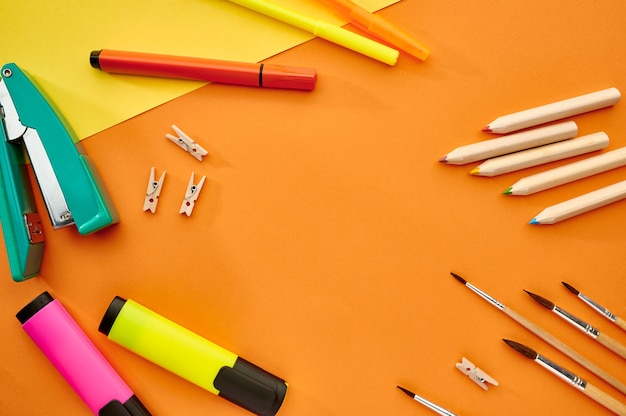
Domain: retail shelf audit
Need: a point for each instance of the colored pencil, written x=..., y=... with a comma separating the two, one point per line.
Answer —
x=586, y=328
x=590, y=390
x=568, y=173
x=541, y=155
x=546, y=336
x=554, y=111
x=512, y=143
x=597, y=307
x=582, y=204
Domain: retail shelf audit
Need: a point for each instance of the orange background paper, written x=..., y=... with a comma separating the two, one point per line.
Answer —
x=321, y=245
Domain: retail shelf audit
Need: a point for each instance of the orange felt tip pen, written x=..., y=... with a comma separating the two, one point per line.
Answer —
x=381, y=28
x=202, y=69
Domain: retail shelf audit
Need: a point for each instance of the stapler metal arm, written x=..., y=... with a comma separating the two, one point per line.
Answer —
x=24, y=242
x=70, y=185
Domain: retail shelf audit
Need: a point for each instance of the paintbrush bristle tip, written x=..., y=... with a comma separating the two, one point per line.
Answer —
x=408, y=393
x=541, y=300
x=459, y=278
x=571, y=288
x=522, y=349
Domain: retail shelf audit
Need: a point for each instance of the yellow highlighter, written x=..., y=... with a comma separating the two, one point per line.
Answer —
x=381, y=28
x=324, y=30
x=192, y=357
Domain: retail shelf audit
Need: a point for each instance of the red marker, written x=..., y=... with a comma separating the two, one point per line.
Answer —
x=201, y=69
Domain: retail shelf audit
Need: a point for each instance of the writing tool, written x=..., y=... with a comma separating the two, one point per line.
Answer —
x=582, y=204
x=545, y=335
x=554, y=111
x=542, y=154
x=67, y=347
x=568, y=173
x=381, y=28
x=192, y=357
x=324, y=30
x=597, y=307
x=583, y=326
x=202, y=69
x=432, y=406
x=511, y=143
x=589, y=389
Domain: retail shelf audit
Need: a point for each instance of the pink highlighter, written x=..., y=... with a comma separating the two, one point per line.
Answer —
x=77, y=359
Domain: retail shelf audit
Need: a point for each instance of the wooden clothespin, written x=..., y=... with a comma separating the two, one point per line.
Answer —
x=477, y=375
x=187, y=143
x=191, y=196
x=153, y=192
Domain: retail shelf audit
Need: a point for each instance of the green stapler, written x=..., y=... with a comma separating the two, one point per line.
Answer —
x=70, y=185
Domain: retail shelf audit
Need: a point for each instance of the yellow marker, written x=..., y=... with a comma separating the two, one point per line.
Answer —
x=381, y=28
x=192, y=357
x=325, y=30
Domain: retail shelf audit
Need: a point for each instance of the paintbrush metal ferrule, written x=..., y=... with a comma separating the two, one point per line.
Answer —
x=593, y=304
x=479, y=292
x=561, y=372
x=548, y=364
x=598, y=308
x=568, y=317
x=577, y=322
x=485, y=296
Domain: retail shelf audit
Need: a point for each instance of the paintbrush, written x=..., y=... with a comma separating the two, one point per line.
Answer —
x=590, y=390
x=546, y=336
x=594, y=333
x=432, y=406
x=597, y=307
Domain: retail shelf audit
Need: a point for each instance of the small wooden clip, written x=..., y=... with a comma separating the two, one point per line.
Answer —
x=477, y=375
x=187, y=143
x=191, y=196
x=153, y=192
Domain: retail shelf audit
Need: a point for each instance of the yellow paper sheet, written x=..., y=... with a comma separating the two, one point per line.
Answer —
x=52, y=40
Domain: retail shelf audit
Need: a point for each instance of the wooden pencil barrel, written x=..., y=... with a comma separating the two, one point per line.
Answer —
x=605, y=400
x=612, y=344
x=621, y=323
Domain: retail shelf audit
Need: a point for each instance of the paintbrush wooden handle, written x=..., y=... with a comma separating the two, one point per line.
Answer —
x=621, y=323
x=605, y=400
x=612, y=344
x=565, y=349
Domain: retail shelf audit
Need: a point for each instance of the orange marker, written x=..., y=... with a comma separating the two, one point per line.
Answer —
x=381, y=28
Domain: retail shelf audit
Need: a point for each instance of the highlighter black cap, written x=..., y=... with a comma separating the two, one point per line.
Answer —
x=132, y=407
x=33, y=307
x=110, y=315
x=251, y=387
